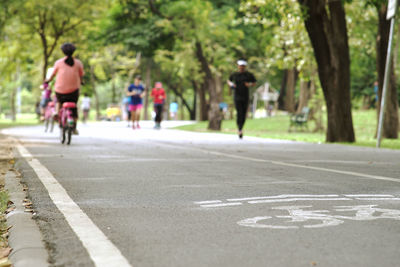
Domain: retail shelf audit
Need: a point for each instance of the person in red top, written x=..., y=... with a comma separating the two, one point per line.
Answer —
x=158, y=95
x=69, y=72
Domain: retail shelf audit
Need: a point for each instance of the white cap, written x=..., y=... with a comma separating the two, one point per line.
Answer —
x=242, y=62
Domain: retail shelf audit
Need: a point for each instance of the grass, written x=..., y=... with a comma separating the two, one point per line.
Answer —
x=22, y=120
x=4, y=198
x=364, y=122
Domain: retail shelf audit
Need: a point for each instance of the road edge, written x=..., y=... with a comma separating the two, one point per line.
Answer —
x=25, y=237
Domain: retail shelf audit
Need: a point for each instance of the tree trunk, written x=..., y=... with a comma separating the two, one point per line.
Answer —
x=195, y=88
x=96, y=96
x=282, y=93
x=290, y=90
x=148, y=89
x=304, y=95
x=391, y=118
x=219, y=87
x=203, y=102
x=328, y=35
x=214, y=114
x=183, y=100
x=316, y=110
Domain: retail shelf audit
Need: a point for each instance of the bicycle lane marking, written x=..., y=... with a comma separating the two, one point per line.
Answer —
x=101, y=250
x=303, y=214
x=358, y=174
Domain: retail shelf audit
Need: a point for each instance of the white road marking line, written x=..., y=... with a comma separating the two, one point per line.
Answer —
x=378, y=198
x=279, y=196
x=293, y=197
x=357, y=174
x=368, y=195
x=296, y=199
x=220, y=205
x=100, y=249
x=208, y=202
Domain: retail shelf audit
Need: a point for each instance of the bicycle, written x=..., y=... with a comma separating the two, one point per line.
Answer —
x=67, y=122
x=49, y=117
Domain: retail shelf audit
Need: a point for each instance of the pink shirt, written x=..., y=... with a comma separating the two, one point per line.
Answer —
x=68, y=78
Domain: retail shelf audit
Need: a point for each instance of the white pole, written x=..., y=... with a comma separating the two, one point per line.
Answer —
x=385, y=84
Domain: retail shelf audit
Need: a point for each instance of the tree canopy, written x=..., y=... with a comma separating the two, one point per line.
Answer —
x=192, y=47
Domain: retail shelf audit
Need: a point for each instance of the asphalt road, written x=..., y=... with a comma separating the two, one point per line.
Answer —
x=172, y=198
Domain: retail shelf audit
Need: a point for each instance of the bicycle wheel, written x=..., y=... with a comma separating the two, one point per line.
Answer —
x=69, y=134
x=62, y=135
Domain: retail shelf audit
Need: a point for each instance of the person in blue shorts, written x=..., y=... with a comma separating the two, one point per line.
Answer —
x=136, y=92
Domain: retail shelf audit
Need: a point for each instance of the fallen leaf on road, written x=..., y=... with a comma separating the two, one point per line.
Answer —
x=4, y=252
x=5, y=263
x=9, y=210
x=28, y=210
x=9, y=203
x=27, y=204
x=313, y=263
x=11, y=161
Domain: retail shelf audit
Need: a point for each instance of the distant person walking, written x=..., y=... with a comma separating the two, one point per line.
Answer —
x=173, y=110
x=69, y=72
x=46, y=98
x=85, y=106
x=240, y=82
x=126, y=101
x=136, y=93
x=158, y=95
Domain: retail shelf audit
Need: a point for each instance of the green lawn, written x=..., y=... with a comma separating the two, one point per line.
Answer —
x=277, y=128
x=22, y=120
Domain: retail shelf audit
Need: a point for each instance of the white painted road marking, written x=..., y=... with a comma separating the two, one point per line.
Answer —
x=293, y=198
x=100, y=249
x=299, y=214
x=357, y=174
x=278, y=196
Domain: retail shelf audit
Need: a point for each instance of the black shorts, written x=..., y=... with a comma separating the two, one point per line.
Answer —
x=71, y=97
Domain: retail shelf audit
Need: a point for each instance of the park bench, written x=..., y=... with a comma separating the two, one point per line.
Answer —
x=299, y=120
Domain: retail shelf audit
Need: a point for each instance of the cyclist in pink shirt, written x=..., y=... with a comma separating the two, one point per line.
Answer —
x=69, y=72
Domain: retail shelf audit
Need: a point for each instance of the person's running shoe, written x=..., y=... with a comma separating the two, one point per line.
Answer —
x=138, y=126
x=75, y=132
x=240, y=135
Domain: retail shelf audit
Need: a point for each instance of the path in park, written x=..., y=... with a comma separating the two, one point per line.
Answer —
x=174, y=198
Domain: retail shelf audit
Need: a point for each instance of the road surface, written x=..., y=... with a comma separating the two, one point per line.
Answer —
x=123, y=197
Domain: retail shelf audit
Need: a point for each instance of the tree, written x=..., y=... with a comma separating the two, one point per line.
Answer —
x=45, y=20
x=391, y=117
x=325, y=22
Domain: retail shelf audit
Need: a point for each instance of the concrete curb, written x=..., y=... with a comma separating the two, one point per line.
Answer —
x=24, y=237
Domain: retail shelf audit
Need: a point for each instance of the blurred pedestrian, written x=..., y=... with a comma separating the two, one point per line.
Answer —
x=85, y=106
x=46, y=98
x=136, y=92
x=37, y=110
x=158, y=95
x=240, y=82
x=173, y=110
x=127, y=112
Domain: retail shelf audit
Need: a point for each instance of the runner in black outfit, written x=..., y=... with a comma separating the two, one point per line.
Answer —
x=241, y=81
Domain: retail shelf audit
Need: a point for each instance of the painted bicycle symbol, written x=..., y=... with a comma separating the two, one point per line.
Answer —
x=319, y=218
